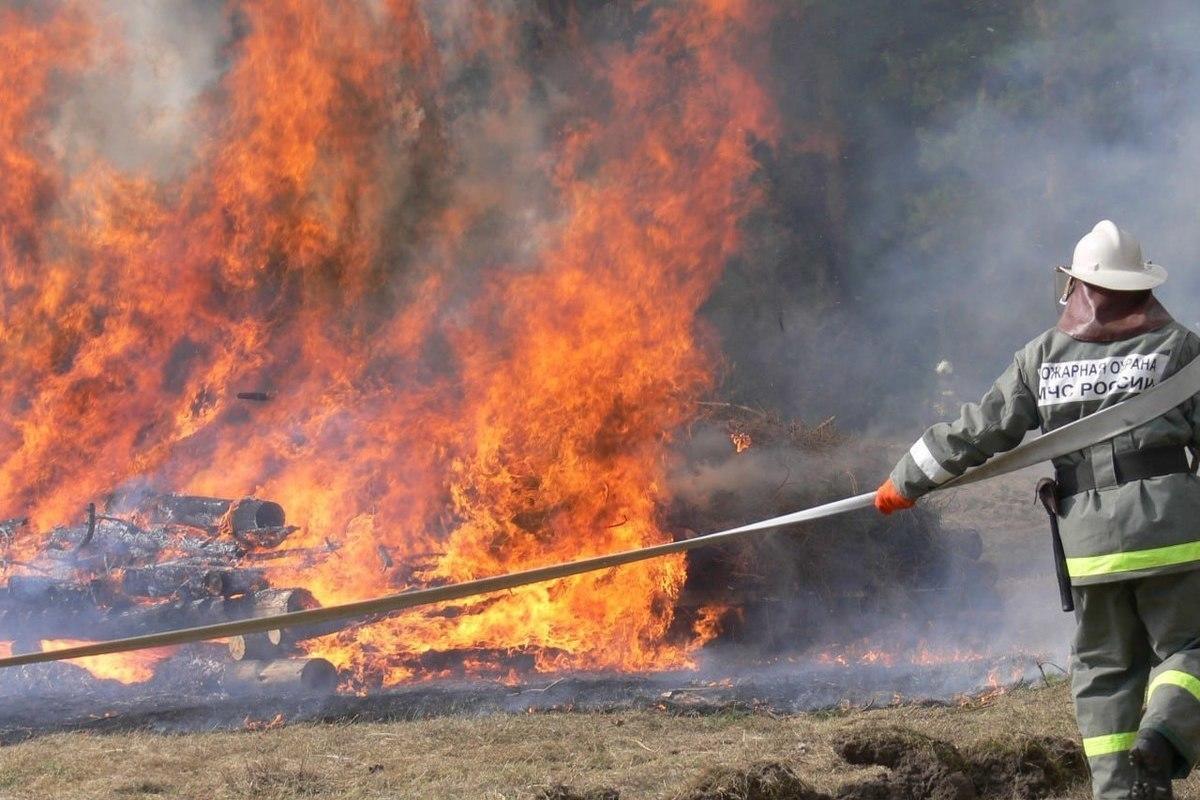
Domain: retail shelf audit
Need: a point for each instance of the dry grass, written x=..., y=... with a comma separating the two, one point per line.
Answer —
x=275, y=777
x=643, y=754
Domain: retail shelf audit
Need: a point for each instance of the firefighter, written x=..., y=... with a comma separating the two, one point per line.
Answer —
x=1128, y=509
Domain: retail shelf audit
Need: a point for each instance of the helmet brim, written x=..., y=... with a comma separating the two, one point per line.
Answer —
x=1121, y=280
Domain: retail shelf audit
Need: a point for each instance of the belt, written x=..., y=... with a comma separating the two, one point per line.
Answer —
x=1152, y=462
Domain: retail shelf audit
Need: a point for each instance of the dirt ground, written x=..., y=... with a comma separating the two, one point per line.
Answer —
x=637, y=754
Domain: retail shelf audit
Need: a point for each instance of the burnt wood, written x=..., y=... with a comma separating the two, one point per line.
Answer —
x=311, y=674
x=192, y=579
x=19, y=620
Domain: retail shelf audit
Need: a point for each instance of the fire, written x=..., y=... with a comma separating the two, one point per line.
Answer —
x=708, y=622
x=1003, y=672
x=473, y=377
x=135, y=667
x=274, y=723
x=921, y=655
x=998, y=684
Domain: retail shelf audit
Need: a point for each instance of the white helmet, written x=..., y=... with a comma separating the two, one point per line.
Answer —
x=1112, y=258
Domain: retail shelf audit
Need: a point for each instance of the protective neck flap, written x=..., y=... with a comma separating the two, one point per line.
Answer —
x=1095, y=314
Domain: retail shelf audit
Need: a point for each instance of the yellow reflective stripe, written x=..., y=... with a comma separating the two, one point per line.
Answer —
x=1174, y=677
x=1107, y=745
x=1090, y=566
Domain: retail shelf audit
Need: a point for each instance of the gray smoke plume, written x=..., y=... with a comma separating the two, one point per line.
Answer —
x=1090, y=112
x=897, y=270
x=136, y=109
x=1090, y=115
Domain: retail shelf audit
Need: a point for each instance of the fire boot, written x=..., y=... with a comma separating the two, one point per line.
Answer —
x=1153, y=760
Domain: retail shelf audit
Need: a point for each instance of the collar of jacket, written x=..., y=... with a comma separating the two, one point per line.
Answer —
x=1095, y=314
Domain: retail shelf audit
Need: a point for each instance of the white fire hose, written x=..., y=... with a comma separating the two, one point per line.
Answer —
x=1078, y=435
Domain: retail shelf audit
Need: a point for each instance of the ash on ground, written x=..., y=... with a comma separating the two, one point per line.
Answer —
x=50, y=698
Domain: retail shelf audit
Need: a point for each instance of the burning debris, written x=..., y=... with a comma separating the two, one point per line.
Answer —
x=176, y=561
x=196, y=556
x=475, y=386
x=477, y=383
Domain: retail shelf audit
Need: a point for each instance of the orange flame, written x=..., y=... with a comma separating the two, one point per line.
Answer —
x=135, y=667
x=922, y=655
x=472, y=405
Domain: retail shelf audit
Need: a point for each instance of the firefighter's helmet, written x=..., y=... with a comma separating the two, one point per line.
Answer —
x=1112, y=258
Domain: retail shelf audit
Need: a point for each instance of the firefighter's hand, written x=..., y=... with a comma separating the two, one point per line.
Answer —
x=889, y=499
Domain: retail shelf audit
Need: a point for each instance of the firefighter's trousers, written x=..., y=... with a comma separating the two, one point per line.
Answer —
x=1135, y=664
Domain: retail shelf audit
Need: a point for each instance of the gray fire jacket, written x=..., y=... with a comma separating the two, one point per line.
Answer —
x=1115, y=531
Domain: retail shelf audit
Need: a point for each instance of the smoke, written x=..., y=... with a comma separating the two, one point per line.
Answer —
x=1107, y=131
x=939, y=161
x=138, y=113
x=1089, y=114
x=966, y=186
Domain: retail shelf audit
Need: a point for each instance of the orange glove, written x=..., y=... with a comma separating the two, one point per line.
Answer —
x=889, y=499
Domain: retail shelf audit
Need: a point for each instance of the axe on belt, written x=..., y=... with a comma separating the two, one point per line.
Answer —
x=1083, y=433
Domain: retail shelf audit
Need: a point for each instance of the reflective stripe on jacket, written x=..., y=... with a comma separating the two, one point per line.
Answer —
x=1115, y=531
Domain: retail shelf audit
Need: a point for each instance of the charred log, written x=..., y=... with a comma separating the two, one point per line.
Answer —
x=169, y=579
x=111, y=541
x=27, y=623
x=457, y=663
x=308, y=674
x=46, y=590
x=215, y=514
x=192, y=579
x=260, y=646
x=91, y=527
x=304, y=555
x=171, y=616
x=181, y=509
x=263, y=538
x=232, y=582
x=255, y=523
x=116, y=542
x=21, y=619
